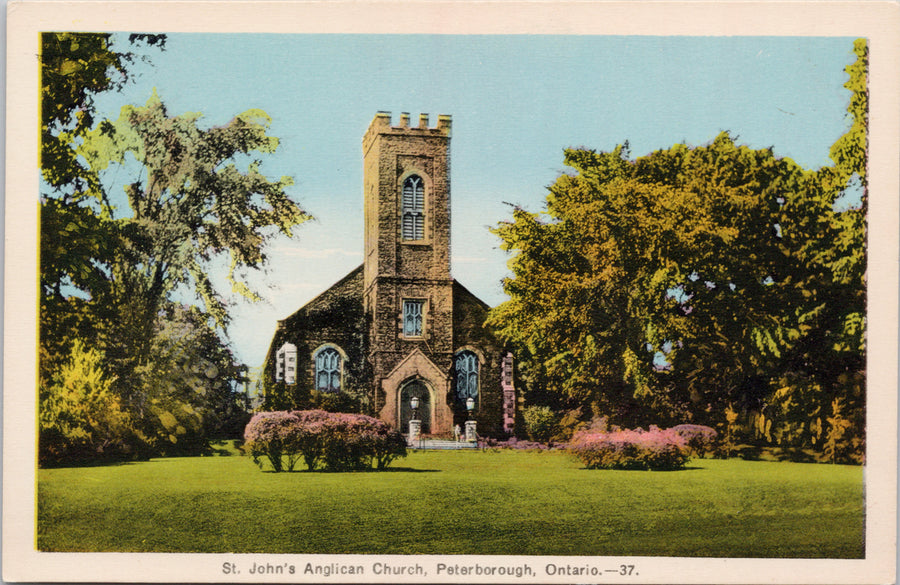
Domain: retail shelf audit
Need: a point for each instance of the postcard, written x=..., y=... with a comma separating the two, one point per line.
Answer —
x=451, y=292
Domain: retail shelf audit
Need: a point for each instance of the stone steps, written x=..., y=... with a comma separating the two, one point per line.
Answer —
x=444, y=445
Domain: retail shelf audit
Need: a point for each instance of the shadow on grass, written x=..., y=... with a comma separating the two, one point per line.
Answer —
x=687, y=468
x=79, y=464
x=330, y=471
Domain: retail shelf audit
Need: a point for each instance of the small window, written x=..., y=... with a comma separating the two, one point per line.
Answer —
x=413, y=209
x=328, y=370
x=286, y=354
x=412, y=318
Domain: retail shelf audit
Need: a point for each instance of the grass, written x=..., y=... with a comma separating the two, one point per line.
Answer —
x=507, y=502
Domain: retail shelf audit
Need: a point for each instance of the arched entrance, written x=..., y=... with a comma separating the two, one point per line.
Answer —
x=410, y=389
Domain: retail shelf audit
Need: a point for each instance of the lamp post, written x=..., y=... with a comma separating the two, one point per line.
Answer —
x=415, y=425
x=471, y=434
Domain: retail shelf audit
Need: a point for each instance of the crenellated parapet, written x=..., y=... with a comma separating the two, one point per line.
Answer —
x=382, y=124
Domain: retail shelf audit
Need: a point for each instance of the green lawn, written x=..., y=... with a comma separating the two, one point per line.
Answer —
x=505, y=502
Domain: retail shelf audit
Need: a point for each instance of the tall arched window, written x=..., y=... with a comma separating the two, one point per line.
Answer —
x=413, y=208
x=466, y=363
x=328, y=370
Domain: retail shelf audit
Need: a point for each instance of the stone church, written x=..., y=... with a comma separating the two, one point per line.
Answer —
x=399, y=325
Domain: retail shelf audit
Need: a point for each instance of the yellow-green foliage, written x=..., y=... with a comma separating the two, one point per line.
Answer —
x=837, y=427
x=80, y=416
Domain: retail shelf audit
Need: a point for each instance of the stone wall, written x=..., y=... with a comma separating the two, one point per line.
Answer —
x=334, y=317
x=469, y=331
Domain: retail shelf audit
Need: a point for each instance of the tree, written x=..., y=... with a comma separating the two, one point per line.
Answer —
x=77, y=240
x=80, y=417
x=691, y=280
x=632, y=266
x=190, y=206
x=113, y=261
x=679, y=283
x=74, y=68
x=188, y=385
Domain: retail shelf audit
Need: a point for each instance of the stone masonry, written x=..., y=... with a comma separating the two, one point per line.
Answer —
x=362, y=316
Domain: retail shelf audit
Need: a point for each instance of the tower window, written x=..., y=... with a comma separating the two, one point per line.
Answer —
x=412, y=318
x=328, y=370
x=413, y=208
x=466, y=364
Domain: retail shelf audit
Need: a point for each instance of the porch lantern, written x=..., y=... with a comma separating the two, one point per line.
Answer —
x=414, y=403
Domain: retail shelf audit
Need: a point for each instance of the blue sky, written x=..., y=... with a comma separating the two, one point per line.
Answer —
x=517, y=101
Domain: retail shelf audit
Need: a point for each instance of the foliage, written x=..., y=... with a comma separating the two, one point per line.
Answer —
x=338, y=442
x=655, y=449
x=77, y=239
x=694, y=280
x=835, y=445
x=191, y=203
x=115, y=257
x=698, y=438
x=728, y=443
x=279, y=395
x=80, y=417
x=74, y=68
x=570, y=422
x=540, y=423
x=187, y=391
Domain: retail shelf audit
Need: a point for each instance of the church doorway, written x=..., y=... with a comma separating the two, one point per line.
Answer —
x=419, y=389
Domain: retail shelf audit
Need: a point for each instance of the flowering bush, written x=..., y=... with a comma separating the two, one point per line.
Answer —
x=699, y=439
x=627, y=449
x=273, y=435
x=337, y=441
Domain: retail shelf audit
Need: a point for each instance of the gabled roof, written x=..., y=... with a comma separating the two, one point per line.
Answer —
x=350, y=276
x=462, y=289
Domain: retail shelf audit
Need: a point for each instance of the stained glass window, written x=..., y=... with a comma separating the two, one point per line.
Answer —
x=466, y=363
x=328, y=370
x=412, y=318
x=413, y=208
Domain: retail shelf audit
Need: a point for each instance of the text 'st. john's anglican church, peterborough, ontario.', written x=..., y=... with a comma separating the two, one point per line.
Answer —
x=399, y=325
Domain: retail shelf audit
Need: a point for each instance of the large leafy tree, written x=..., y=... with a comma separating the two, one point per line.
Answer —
x=190, y=205
x=639, y=269
x=77, y=239
x=691, y=279
x=118, y=259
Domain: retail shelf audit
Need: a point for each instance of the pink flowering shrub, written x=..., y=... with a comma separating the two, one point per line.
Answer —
x=273, y=435
x=699, y=439
x=335, y=441
x=630, y=449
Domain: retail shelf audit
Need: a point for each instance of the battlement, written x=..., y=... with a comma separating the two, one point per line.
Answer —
x=382, y=124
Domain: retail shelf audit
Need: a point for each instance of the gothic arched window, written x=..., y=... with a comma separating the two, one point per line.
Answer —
x=328, y=370
x=413, y=208
x=466, y=363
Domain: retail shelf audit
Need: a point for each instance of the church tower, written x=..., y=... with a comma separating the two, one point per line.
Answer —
x=407, y=287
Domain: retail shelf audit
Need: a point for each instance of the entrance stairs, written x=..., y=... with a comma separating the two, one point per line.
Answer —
x=442, y=445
